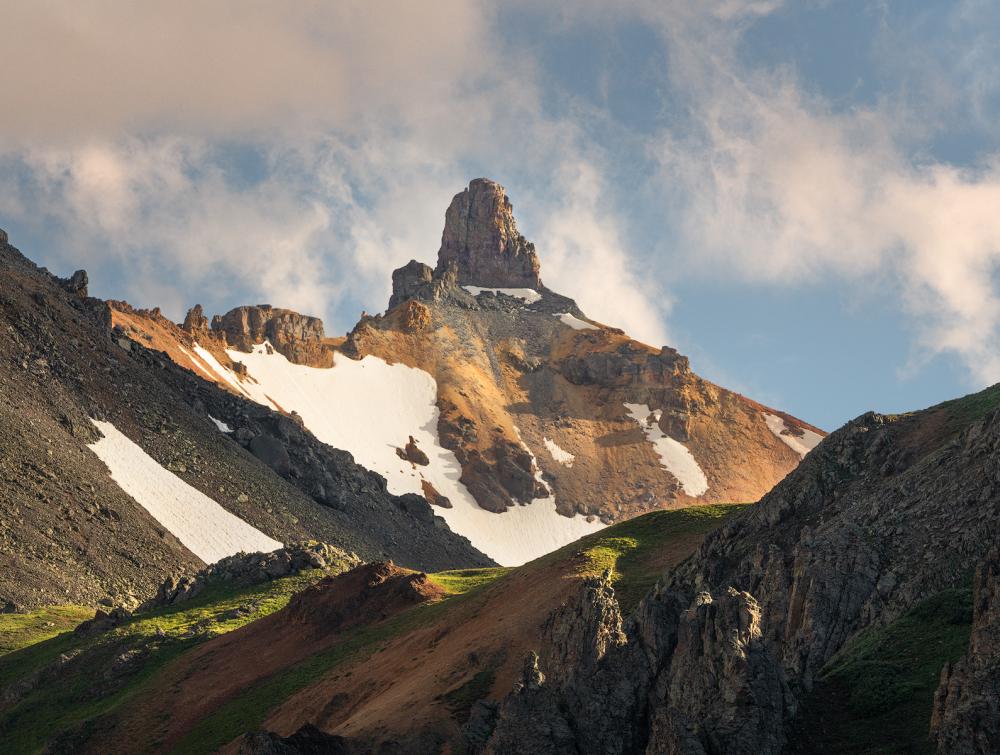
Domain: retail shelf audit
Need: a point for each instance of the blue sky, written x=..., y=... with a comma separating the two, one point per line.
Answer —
x=800, y=196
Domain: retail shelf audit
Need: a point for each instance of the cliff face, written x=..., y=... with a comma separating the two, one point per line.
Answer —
x=886, y=512
x=481, y=238
x=299, y=337
x=966, y=717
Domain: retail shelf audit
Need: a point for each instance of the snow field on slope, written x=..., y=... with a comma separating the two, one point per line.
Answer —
x=223, y=427
x=228, y=375
x=202, y=525
x=370, y=407
x=574, y=322
x=563, y=457
x=527, y=295
x=675, y=456
x=800, y=445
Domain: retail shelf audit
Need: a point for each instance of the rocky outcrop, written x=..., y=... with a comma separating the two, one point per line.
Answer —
x=196, y=323
x=417, y=281
x=77, y=284
x=412, y=453
x=740, y=708
x=306, y=741
x=3, y=236
x=629, y=365
x=885, y=512
x=412, y=280
x=499, y=476
x=555, y=704
x=366, y=594
x=300, y=338
x=966, y=717
x=245, y=569
x=481, y=238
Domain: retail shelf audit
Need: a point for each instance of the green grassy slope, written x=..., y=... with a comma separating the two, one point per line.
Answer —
x=60, y=686
x=73, y=684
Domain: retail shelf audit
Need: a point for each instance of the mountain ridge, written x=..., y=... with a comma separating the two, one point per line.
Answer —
x=538, y=404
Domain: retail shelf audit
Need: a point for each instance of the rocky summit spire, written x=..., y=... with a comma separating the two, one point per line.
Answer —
x=481, y=238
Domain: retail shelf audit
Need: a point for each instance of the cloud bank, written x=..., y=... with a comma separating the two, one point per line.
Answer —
x=238, y=151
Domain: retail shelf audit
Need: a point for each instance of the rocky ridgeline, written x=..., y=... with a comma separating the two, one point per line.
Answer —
x=239, y=570
x=246, y=569
x=386, y=526
x=300, y=338
x=718, y=659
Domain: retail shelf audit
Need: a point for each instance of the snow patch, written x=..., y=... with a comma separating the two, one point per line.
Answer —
x=574, y=322
x=674, y=456
x=223, y=427
x=527, y=295
x=563, y=457
x=800, y=444
x=198, y=364
x=370, y=408
x=201, y=524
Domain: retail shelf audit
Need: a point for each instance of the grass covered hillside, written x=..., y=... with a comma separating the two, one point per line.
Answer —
x=164, y=677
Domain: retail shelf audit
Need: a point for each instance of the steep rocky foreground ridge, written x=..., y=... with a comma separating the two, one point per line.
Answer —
x=732, y=647
x=71, y=532
x=885, y=513
x=522, y=405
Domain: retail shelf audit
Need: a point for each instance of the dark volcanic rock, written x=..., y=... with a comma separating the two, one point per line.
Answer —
x=77, y=283
x=306, y=741
x=481, y=238
x=245, y=569
x=412, y=280
x=883, y=513
x=966, y=717
x=272, y=452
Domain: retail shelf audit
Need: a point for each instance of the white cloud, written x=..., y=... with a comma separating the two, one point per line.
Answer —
x=91, y=69
x=584, y=256
x=777, y=186
x=365, y=117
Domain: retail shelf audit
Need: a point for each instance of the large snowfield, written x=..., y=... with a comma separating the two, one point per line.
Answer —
x=800, y=444
x=201, y=524
x=370, y=408
x=674, y=455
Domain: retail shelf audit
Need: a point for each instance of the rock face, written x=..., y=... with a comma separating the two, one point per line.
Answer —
x=481, y=238
x=3, y=236
x=298, y=337
x=77, y=283
x=967, y=703
x=882, y=514
x=195, y=322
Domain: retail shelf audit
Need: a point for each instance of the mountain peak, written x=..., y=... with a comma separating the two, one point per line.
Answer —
x=481, y=237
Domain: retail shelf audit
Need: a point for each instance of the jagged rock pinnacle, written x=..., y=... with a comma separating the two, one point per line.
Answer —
x=481, y=237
